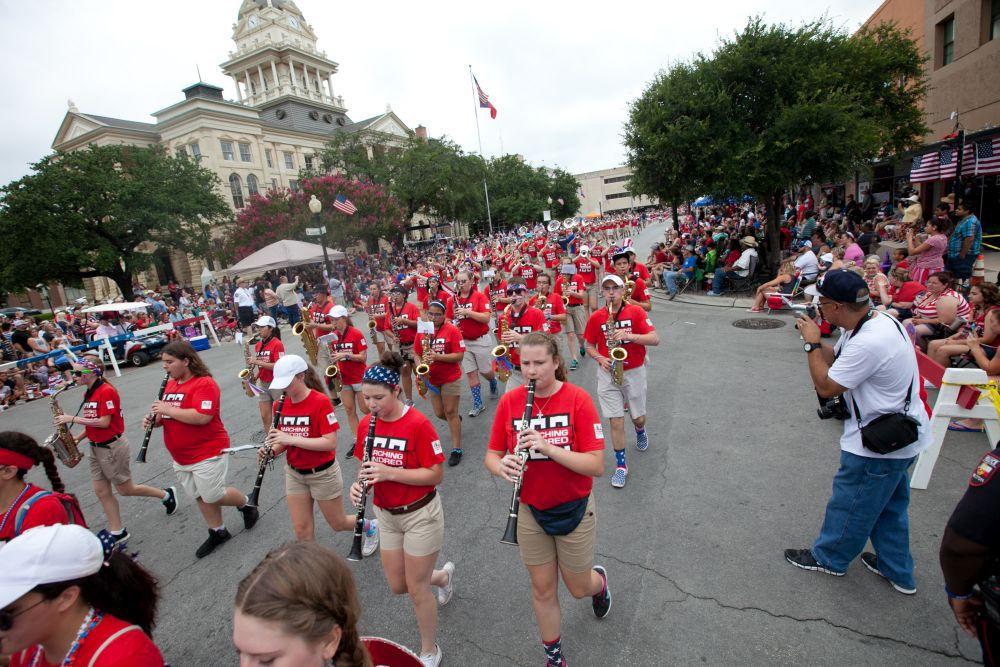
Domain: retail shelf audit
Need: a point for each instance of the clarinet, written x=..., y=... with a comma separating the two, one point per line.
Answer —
x=141, y=458
x=359, y=521
x=510, y=533
x=254, y=495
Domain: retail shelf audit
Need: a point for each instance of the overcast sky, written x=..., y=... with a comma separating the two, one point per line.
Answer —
x=560, y=73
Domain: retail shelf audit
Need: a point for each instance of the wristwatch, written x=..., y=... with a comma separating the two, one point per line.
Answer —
x=809, y=347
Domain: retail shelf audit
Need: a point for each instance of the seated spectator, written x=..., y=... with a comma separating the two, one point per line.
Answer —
x=928, y=256
x=984, y=299
x=899, y=297
x=739, y=269
x=872, y=273
x=852, y=251
x=783, y=284
x=11, y=387
x=807, y=264
x=867, y=238
x=685, y=272
x=982, y=352
x=940, y=312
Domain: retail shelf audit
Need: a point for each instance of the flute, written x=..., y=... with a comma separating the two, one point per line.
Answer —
x=510, y=533
x=141, y=458
x=254, y=495
x=359, y=521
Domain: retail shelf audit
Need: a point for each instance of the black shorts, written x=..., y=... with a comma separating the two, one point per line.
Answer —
x=245, y=314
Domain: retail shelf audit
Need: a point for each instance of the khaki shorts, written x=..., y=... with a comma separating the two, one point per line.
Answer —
x=266, y=396
x=613, y=398
x=478, y=355
x=405, y=350
x=419, y=533
x=205, y=479
x=573, y=552
x=111, y=463
x=574, y=323
x=323, y=485
x=450, y=388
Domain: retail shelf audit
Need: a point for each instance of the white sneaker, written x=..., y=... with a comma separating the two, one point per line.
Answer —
x=445, y=592
x=432, y=659
x=371, y=538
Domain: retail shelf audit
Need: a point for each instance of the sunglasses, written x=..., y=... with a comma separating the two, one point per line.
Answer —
x=86, y=371
x=7, y=616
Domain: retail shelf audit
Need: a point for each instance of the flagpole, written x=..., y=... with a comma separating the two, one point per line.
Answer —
x=475, y=110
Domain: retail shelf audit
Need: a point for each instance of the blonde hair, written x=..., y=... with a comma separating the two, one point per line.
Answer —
x=307, y=589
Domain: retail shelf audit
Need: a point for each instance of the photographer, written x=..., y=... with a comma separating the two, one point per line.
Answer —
x=874, y=366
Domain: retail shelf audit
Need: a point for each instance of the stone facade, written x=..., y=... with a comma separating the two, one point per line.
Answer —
x=604, y=192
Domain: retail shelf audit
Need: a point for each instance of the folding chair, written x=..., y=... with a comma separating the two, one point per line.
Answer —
x=780, y=300
x=745, y=283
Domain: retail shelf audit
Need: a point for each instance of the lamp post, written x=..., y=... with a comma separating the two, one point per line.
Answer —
x=315, y=205
x=43, y=289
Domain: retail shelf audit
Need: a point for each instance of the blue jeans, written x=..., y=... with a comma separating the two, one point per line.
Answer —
x=292, y=313
x=670, y=280
x=720, y=278
x=273, y=311
x=870, y=499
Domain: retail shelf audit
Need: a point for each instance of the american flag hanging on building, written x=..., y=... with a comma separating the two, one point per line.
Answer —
x=988, y=156
x=948, y=163
x=925, y=168
x=344, y=205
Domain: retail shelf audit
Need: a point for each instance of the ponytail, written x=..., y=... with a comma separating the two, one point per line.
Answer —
x=22, y=443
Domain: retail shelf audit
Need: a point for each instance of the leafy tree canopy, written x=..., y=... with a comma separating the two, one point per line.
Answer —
x=103, y=211
x=775, y=106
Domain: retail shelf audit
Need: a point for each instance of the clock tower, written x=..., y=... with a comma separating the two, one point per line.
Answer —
x=276, y=61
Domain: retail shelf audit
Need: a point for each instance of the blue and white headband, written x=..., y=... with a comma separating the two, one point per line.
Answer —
x=382, y=375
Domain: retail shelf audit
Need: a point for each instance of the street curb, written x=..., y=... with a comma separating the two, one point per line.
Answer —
x=713, y=301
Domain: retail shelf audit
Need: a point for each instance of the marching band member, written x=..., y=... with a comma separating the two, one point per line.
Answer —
x=26, y=505
x=349, y=350
x=518, y=319
x=404, y=470
x=630, y=327
x=639, y=296
x=307, y=433
x=446, y=349
x=267, y=351
x=496, y=293
x=104, y=425
x=299, y=606
x=195, y=437
x=376, y=308
x=471, y=312
x=434, y=292
x=588, y=267
x=553, y=309
x=403, y=317
x=576, y=293
x=66, y=601
x=557, y=519
x=526, y=272
x=321, y=326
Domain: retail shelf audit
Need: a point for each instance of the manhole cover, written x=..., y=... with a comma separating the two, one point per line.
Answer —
x=759, y=323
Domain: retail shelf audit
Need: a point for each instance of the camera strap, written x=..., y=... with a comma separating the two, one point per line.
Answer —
x=909, y=394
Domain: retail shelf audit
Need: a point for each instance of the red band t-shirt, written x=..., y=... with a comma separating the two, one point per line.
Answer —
x=631, y=319
x=405, y=333
x=527, y=320
x=639, y=292
x=527, y=274
x=477, y=303
x=566, y=419
x=353, y=341
x=313, y=417
x=585, y=269
x=376, y=310
x=447, y=340
x=131, y=648
x=269, y=352
x=103, y=400
x=553, y=306
x=409, y=442
x=191, y=443
x=577, y=283
x=48, y=510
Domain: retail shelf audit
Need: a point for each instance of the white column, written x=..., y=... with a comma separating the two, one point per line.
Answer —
x=305, y=77
x=291, y=70
x=260, y=76
x=319, y=83
x=274, y=73
x=250, y=93
x=239, y=95
x=329, y=80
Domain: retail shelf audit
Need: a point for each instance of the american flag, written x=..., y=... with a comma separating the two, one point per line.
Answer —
x=343, y=204
x=988, y=156
x=484, y=99
x=925, y=168
x=948, y=163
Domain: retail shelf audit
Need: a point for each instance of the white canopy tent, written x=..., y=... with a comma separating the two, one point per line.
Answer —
x=280, y=255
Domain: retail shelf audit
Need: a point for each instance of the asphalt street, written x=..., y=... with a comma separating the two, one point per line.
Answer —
x=739, y=468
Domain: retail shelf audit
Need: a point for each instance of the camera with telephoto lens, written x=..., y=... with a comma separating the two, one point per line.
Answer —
x=832, y=408
x=811, y=311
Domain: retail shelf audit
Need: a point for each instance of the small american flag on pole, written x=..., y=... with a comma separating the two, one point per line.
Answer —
x=925, y=168
x=484, y=99
x=988, y=157
x=344, y=205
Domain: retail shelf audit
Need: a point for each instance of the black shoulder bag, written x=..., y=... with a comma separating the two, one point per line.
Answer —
x=892, y=431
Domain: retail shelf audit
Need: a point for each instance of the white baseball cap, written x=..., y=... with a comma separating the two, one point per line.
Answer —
x=615, y=279
x=285, y=370
x=266, y=321
x=47, y=555
x=338, y=311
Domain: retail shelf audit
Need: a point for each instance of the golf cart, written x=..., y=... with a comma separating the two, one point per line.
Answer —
x=130, y=347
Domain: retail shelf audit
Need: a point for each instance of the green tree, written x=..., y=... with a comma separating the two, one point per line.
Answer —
x=103, y=211
x=519, y=192
x=363, y=156
x=775, y=106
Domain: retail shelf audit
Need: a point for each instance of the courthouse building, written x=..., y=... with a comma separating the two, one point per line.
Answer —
x=287, y=108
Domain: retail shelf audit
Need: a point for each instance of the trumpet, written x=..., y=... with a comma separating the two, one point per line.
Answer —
x=308, y=337
x=424, y=367
x=249, y=374
x=501, y=353
x=333, y=373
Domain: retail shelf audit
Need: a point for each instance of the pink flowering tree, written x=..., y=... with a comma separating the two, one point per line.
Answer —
x=281, y=214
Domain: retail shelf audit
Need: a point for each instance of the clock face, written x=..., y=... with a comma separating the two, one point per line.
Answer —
x=254, y=21
x=292, y=21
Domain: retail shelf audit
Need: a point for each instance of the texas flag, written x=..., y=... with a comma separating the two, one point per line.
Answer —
x=484, y=99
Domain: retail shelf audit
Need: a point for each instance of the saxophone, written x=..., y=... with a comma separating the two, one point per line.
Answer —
x=62, y=443
x=616, y=352
x=542, y=303
x=424, y=367
x=308, y=336
x=501, y=353
x=250, y=373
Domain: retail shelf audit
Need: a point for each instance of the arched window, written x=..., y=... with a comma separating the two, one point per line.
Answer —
x=252, y=185
x=236, y=185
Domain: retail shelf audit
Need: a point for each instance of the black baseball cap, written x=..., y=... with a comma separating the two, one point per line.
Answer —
x=843, y=286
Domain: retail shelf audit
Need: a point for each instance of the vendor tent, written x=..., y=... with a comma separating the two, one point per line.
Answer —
x=280, y=255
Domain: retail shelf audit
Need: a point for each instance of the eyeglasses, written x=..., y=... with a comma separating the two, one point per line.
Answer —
x=7, y=617
x=611, y=288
